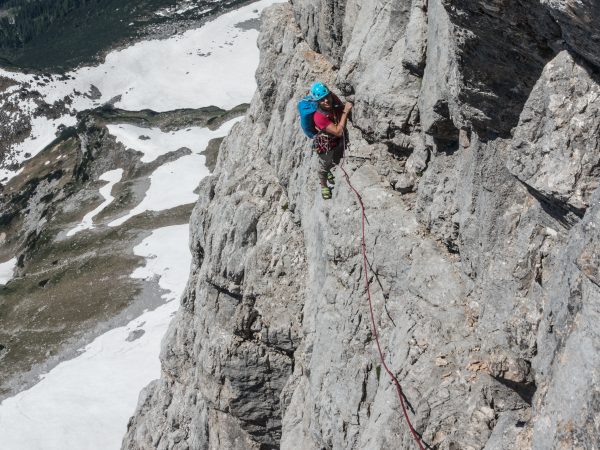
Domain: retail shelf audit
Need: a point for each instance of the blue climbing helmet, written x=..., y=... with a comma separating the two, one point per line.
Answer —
x=308, y=106
x=318, y=91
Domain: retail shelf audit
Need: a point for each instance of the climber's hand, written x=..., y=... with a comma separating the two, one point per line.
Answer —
x=347, y=107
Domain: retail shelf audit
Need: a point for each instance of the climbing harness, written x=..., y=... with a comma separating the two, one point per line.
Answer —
x=367, y=284
x=322, y=143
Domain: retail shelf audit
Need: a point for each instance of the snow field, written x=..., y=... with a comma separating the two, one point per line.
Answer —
x=85, y=403
x=173, y=183
x=113, y=177
x=212, y=65
x=6, y=270
x=156, y=142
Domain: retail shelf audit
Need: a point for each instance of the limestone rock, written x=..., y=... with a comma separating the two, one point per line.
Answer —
x=568, y=358
x=485, y=293
x=556, y=149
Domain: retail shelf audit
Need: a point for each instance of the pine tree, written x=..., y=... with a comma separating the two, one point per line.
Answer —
x=32, y=18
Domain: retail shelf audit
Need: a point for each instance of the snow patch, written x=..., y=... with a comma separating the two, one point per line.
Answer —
x=85, y=403
x=6, y=270
x=153, y=142
x=167, y=256
x=173, y=184
x=210, y=66
x=113, y=177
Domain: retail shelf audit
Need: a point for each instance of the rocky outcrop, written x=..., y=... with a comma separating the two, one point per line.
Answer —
x=555, y=148
x=474, y=146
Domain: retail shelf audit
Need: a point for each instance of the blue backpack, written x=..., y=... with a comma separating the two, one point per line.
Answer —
x=307, y=107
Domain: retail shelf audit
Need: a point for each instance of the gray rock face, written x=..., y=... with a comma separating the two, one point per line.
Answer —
x=559, y=123
x=384, y=110
x=568, y=358
x=474, y=147
x=228, y=307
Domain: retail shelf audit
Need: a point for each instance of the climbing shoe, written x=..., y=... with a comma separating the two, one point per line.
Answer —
x=330, y=178
x=326, y=193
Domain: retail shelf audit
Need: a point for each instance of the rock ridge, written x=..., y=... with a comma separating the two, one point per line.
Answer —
x=474, y=145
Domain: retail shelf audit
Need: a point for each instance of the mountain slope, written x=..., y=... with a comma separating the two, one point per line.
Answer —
x=93, y=222
x=479, y=237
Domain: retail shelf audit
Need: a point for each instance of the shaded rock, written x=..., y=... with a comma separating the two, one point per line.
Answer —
x=578, y=20
x=497, y=51
x=135, y=335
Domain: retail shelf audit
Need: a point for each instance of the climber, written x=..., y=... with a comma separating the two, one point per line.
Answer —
x=330, y=121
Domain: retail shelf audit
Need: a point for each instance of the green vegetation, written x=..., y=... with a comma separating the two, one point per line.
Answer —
x=67, y=286
x=58, y=35
x=21, y=21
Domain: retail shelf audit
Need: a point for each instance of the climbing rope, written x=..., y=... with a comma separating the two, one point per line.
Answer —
x=368, y=287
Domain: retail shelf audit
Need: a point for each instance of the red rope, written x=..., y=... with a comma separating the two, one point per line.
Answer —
x=368, y=285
